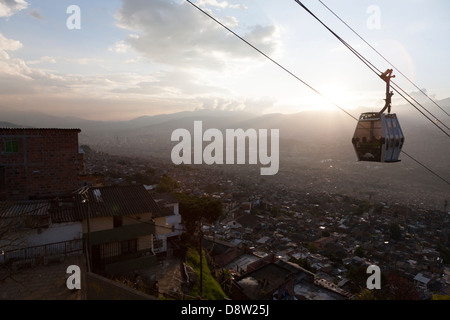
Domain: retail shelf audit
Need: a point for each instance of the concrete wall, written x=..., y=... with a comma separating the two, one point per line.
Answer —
x=145, y=243
x=162, y=228
x=56, y=232
x=100, y=288
x=98, y=224
x=136, y=218
x=107, y=223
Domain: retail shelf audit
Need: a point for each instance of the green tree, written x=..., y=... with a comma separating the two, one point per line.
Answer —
x=303, y=262
x=400, y=288
x=396, y=232
x=359, y=252
x=440, y=297
x=444, y=252
x=361, y=207
x=194, y=209
x=311, y=246
x=167, y=184
x=213, y=187
x=365, y=294
x=143, y=178
x=211, y=289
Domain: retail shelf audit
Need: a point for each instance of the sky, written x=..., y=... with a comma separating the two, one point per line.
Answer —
x=121, y=59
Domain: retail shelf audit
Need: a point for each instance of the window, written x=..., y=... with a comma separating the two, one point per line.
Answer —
x=117, y=221
x=158, y=244
x=11, y=146
x=128, y=246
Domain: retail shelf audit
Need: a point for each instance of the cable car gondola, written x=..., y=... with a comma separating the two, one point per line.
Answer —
x=378, y=136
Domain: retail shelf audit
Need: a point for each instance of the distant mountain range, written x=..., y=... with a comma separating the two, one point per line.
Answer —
x=311, y=144
x=304, y=129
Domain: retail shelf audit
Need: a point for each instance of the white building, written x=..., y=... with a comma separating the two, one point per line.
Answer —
x=168, y=222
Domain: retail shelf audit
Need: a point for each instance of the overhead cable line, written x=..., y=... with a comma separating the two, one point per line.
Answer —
x=265, y=55
x=305, y=83
x=434, y=173
x=373, y=68
x=384, y=58
x=392, y=82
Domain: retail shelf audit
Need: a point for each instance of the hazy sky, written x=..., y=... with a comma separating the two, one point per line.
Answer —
x=145, y=57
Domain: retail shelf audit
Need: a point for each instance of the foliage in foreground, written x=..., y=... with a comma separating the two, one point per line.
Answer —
x=211, y=288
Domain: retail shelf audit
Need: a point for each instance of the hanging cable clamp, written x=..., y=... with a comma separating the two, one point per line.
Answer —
x=387, y=76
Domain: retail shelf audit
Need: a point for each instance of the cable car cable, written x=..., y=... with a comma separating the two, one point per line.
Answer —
x=378, y=73
x=417, y=161
x=368, y=63
x=348, y=46
x=431, y=120
x=265, y=55
x=296, y=77
x=421, y=90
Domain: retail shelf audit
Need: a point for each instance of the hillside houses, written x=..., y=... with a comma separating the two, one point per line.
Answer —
x=327, y=239
x=277, y=242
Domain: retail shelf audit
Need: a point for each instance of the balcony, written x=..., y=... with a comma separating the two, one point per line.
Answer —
x=127, y=232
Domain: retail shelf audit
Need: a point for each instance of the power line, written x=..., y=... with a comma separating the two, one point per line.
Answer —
x=384, y=57
x=373, y=68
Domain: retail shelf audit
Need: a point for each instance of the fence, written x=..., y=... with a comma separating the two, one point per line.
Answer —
x=52, y=249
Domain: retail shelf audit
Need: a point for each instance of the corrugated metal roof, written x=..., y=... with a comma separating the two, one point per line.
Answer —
x=64, y=215
x=24, y=208
x=118, y=201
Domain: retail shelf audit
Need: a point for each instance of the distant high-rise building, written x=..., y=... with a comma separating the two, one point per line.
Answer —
x=38, y=163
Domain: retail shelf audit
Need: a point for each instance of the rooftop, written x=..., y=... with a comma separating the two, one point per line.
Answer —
x=118, y=201
x=24, y=208
x=260, y=282
x=41, y=129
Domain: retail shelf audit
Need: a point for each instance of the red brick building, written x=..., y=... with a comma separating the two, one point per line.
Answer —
x=38, y=163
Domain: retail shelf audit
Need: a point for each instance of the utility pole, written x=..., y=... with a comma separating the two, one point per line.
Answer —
x=89, y=236
x=85, y=195
x=200, y=234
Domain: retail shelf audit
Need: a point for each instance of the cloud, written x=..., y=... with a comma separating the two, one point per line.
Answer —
x=219, y=4
x=9, y=44
x=214, y=3
x=11, y=7
x=422, y=95
x=119, y=47
x=255, y=106
x=178, y=35
x=45, y=59
x=11, y=66
x=166, y=84
x=35, y=14
x=22, y=77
